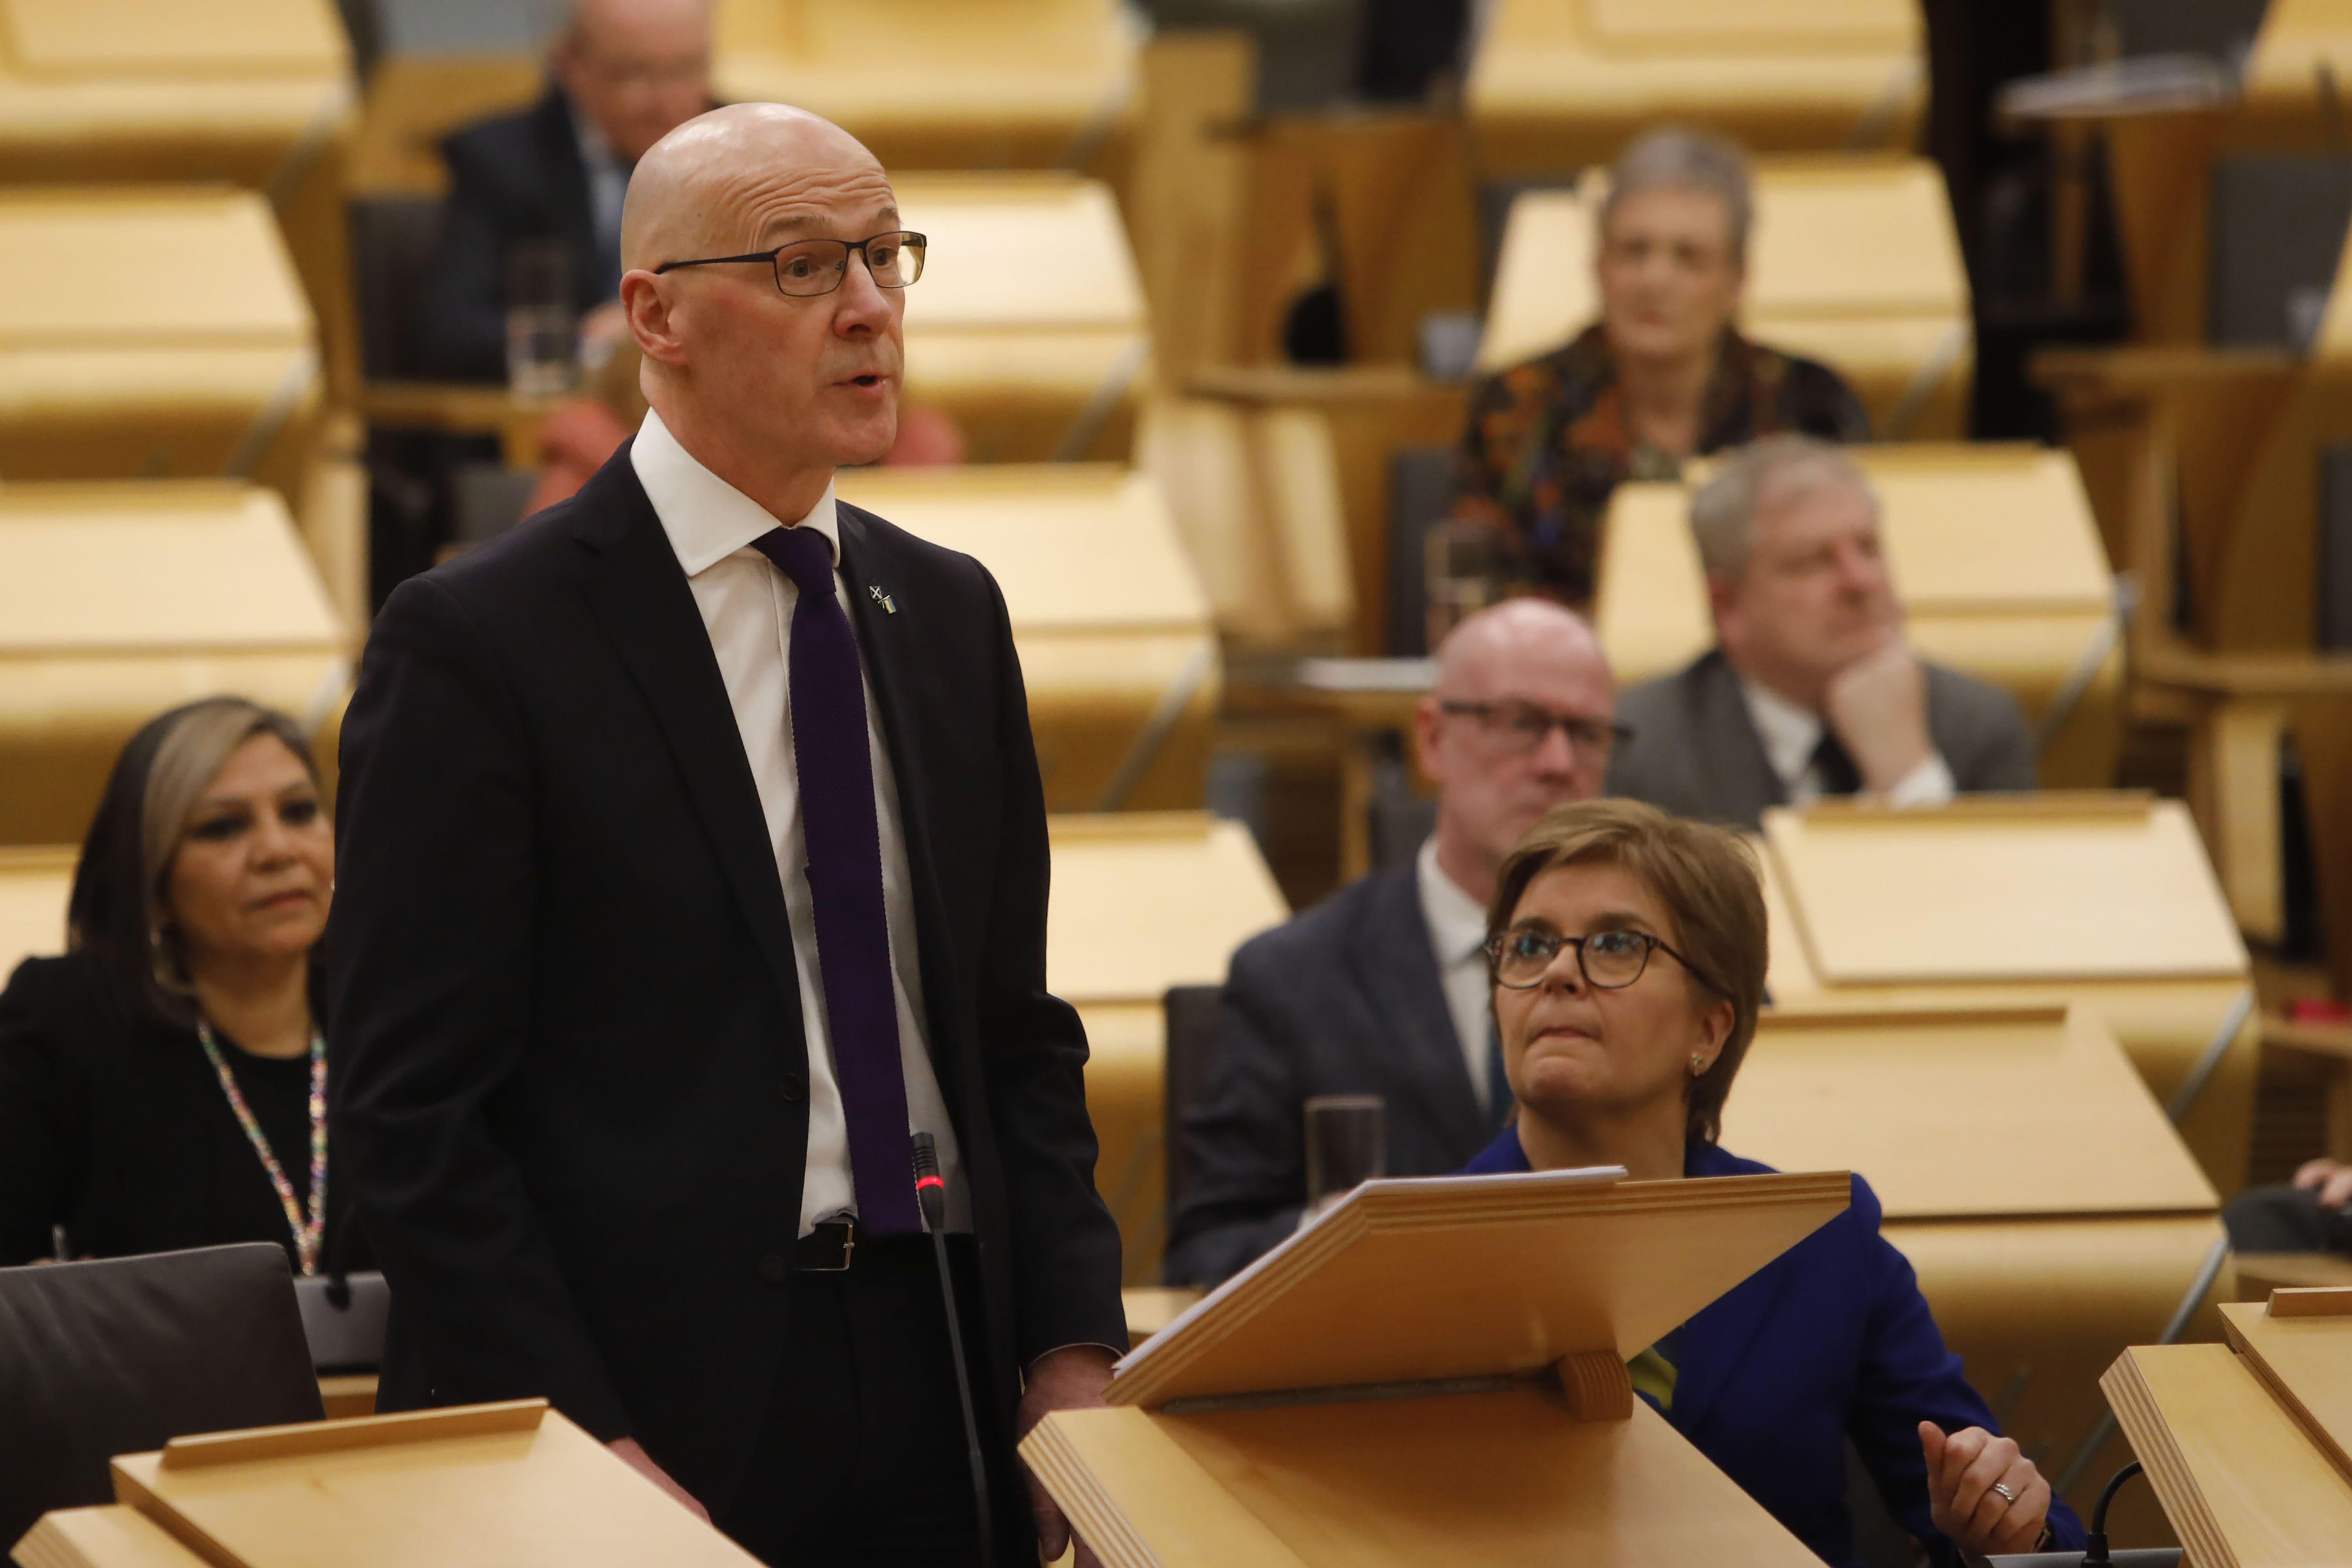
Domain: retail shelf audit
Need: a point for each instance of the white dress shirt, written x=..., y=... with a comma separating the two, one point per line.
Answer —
x=1457, y=934
x=1790, y=733
x=747, y=607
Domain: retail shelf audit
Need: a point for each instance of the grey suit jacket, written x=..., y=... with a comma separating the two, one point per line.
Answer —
x=1694, y=750
x=1344, y=999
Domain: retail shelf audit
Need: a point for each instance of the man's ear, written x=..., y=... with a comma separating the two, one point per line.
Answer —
x=1723, y=603
x=645, y=301
x=1424, y=739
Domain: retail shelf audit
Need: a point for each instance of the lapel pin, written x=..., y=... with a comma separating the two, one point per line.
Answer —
x=882, y=599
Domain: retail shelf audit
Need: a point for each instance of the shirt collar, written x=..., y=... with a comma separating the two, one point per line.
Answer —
x=1457, y=922
x=594, y=150
x=1790, y=733
x=707, y=519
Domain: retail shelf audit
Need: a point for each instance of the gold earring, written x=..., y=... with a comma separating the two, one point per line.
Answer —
x=1698, y=1064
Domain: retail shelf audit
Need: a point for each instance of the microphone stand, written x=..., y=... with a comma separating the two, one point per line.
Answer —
x=931, y=1197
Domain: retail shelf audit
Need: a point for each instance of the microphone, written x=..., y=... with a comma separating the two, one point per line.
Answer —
x=931, y=1197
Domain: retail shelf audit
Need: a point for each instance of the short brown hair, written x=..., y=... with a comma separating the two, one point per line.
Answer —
x=1705, y=875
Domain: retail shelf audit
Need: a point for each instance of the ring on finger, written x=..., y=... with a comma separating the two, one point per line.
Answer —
x=2006, y=1495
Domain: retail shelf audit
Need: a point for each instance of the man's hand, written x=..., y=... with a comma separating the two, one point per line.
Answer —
x=640, y=1462
x=2331, y=1179
x=1878, y=706
x=1071, y=1378
x=1961, y=1472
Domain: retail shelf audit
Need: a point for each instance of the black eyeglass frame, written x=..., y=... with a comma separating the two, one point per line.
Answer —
x=907, y=238
x=1617, y=734
x=1650, y=944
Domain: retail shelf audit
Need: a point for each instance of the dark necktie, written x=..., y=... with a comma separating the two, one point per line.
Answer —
x=845, y=873
x=1838, y=773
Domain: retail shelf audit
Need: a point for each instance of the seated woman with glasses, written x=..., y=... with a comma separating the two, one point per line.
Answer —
x=1663, y=375
x=1628, y=955
x=163, y=1084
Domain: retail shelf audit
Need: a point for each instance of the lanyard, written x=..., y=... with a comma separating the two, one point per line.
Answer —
x=306, y=1233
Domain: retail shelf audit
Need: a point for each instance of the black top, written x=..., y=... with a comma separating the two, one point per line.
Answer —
x=119, y=1130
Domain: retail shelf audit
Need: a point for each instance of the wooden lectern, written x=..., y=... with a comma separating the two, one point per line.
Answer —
x=2100, y=899
x=1559, y=84
x=1144, y=900
x=514, y=1485
x=120, y=600
x=1115, y=641
x=1996, y=557
x=942, y=84
x=2249, y=1445
x=2051, y=1215
x=1032, y=370
x=1854, y=262
x=1434, y=1372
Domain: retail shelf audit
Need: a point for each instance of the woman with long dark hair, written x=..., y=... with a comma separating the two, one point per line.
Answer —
x=163, y=1085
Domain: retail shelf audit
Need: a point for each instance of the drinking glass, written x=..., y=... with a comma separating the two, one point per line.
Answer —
x=542, y=328
x=1346, y=1145
x=1462, y=576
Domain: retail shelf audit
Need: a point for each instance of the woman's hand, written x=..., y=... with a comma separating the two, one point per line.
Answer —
x=1961, y=1472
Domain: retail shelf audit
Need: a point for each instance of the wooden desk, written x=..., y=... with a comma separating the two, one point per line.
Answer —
x=255, y=93
x=118, y=601
x=1032, y=372
x=152, y=333
x=1143, y=902
x=1372, y=412
x=2245, y=1445
x=33, y=884
x=1853, y=262
x=1994, y=555
x=941, y=84
x=2099, y=900
x=1559, y=84
x=1115, y=641
x=2073, y=1227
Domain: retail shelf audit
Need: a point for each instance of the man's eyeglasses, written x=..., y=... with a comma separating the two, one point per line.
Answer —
x=1520, y=727
x=807, y=268
x=1609, y=960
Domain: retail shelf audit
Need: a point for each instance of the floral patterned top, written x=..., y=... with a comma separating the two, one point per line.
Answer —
x=1547, y=441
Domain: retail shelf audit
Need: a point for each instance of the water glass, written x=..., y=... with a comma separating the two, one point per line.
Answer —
x=1346, y=1144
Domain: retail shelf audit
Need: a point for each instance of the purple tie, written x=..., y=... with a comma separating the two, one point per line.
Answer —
x=845, y=873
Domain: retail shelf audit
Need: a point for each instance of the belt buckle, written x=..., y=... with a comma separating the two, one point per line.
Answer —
x=845, y=1227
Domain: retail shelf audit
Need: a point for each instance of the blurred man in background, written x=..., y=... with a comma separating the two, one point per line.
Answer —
x=1383, y=988
x=622, y=75
x=1812, y=689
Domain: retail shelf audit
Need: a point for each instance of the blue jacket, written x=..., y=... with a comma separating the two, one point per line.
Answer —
x=1831, y=1339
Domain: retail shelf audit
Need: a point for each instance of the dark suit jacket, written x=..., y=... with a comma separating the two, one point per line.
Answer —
x=1694, y=750
x=1829, y=1342
x=1344, y=999
x=513, y=178
x=573, y=1102
x=116, y=1129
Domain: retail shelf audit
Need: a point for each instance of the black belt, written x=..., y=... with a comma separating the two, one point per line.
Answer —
x=828, y=1248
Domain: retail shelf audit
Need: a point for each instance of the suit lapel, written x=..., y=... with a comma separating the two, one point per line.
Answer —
x=640, y=597
x=1743, y=783
x=1397, y=967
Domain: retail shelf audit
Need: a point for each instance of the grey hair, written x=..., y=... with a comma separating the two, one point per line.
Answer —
x=1691, y=159
x=1724, y=512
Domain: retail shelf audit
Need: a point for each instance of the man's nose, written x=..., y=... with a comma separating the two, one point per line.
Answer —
x=860, y=301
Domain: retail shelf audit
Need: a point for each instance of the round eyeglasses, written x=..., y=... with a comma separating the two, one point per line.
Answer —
x=807, y=268
x=1609, y=959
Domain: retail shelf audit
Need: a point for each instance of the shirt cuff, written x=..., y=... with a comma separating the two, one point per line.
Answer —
x=1929, y=784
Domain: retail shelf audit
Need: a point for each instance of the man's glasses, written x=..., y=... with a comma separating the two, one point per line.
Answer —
x=1609, y=960
x=1519, y=728
x=807, y=268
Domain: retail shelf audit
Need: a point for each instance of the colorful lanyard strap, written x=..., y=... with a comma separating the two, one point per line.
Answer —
x=307, y=1233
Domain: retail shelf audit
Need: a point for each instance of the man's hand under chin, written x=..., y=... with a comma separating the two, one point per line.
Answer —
x=1878, y=707
x=1071, y=1378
